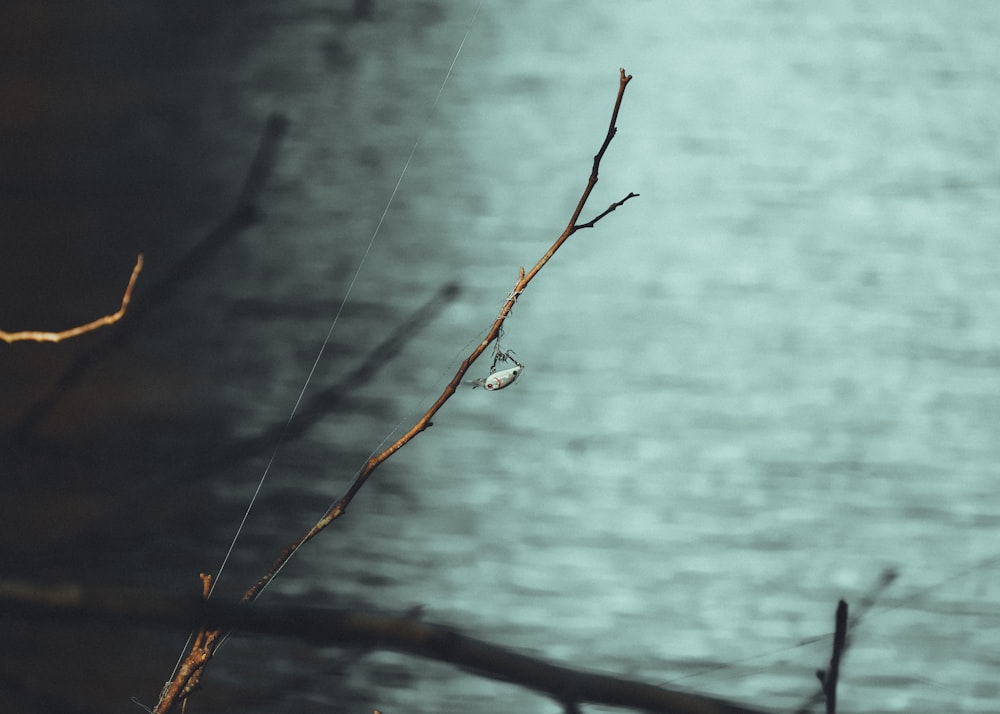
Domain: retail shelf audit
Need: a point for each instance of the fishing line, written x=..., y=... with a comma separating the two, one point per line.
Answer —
x=326, y=341
x=428, y=394
x=378, y=449
x=343, y=303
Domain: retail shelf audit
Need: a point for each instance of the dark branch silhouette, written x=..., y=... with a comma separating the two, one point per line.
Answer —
x=828, y=677
x=243, y=215
x=885, y=579
x=350, y=628
x=326, y=400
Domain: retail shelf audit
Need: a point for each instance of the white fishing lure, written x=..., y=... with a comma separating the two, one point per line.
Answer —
x=499, y=380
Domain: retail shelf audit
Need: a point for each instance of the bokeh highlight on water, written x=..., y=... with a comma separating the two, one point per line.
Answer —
x=747, y=393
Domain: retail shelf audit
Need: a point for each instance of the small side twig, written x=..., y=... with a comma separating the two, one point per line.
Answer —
x=606, y=211
x=189, y=673
x=828, y=678
x=866, y=603
x=41, y=336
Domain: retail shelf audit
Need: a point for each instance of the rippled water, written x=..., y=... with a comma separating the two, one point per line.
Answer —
x=747, y=392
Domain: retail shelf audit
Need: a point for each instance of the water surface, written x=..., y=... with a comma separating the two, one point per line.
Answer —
x=748, y=392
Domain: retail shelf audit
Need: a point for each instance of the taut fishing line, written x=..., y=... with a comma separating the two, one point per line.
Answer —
x=333, y=325
x=347, y=295
x=381, y=445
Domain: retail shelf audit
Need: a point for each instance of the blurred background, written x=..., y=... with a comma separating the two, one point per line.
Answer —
x=749, y=392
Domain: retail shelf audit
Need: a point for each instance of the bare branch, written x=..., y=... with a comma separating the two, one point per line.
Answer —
x=885, y=579
x=39, y=336
x=828, y=677
x=340, y=507
x=374, y=462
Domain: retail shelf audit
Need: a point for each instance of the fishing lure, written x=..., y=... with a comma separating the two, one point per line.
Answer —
x=503, y=378
x=499, y=380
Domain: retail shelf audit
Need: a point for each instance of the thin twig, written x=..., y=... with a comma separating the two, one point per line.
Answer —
x=828, y=678
x=189, y=675
x=606, y=211
x=340, y=507
x=40, y=336
x=243, y=214
x=866, y=603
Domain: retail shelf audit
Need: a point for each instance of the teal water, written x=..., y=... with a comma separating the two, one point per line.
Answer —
x=747, y=393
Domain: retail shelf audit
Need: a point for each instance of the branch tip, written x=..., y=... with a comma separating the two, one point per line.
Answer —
x=41, y=336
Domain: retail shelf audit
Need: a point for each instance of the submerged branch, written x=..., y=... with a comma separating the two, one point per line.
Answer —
x=327, y=399
x=243, y=214
x=349, y=628
x=841, y=642
x=828, y=678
